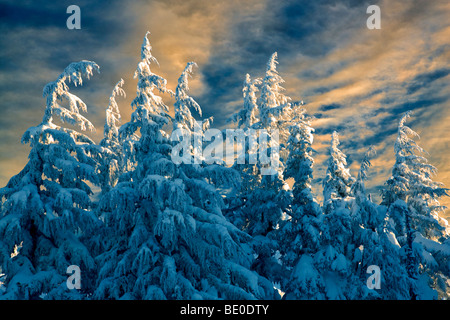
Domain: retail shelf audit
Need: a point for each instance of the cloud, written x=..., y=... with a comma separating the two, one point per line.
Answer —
x=354, y=80
x=426, y=79
x=329, y=107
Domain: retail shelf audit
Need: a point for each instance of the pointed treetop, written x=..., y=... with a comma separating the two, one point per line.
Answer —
x=147, y=82
x=273, y=103
x=272, y=63
x=250, y=106
x=404, y=117
x=338, y=180
x=404, y=145
x=112, y=112
x=358, y=186
x=58, y=90
x=183, y=86
x=146, y=50
x=183, y=103
x=246, y=117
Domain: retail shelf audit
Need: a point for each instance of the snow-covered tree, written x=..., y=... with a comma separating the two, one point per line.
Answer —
x=412, y=197
x=247, y=169
x=112, y=163
x=411, y=181
x=184, y=123
x=300, y=233
x=358, y=189
x=189, y=137
x=169, y=239
x=338, y=181
x=46, y=215
x=150, y=113
x=247, y=116
x=333, y=260
x=184, y=103
x=272, y=102
x=301, y=228
x=264, y=196
x=266, y=203
x=374, y=244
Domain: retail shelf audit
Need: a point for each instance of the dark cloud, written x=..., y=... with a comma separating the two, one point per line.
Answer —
x=329, y=107
x=14, y=15
x=286, y=27
x=426, y=79
x=423, y=102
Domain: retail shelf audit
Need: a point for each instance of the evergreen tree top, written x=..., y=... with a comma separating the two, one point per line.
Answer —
x=58, y=90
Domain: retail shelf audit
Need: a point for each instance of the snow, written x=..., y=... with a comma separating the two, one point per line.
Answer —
x=141, y=226
x=392, y=239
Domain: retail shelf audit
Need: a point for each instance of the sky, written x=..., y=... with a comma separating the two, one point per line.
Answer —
x=352, y=79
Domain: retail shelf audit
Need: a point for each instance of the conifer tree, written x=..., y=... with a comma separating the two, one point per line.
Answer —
x=333, y=260
x=264, y=196
x=272, y=102
x=246, y=166
x=412, y=198
x=112, y=155
x=169, y=238
x=301, y=229
x=46, y=215
x=190, y=151
x=338, y=181
x=300, y=234
x=248, y=115
x=374, y=244
x=150, y=113
x=265, y=204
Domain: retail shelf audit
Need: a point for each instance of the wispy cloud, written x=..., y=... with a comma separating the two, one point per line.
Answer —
x=354, y=80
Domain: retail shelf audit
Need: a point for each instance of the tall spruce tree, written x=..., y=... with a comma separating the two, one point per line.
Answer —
x=246, y=165
x=112, y=161
x=374, y=244
x=334, y=258
x=338, y=181
x=46, y=212
x=300, y=233
x=169, y=238
x=412, y=198
x=264, y=197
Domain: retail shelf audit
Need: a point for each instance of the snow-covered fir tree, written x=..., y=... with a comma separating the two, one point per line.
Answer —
x=204, y=228
x=300, y=233
x=188, y=139
x=247, y=169
x=333, y=260
x=272, y=102
x=150, y=113
x=247, y=116
x=412, y=198
x=264, y=196
x=46, y=215
x=265, y=204
x=112, y=161
x=169, y=238
x=374, y=244
x=338, y=181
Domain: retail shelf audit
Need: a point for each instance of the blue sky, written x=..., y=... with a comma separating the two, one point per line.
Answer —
x=353, y=80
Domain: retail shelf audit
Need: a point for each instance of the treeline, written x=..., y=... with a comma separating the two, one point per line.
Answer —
x=160, y=229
